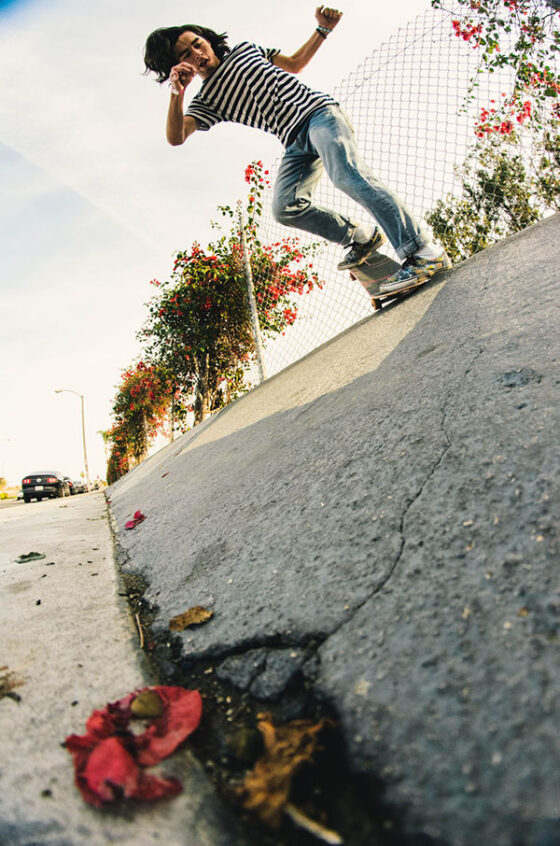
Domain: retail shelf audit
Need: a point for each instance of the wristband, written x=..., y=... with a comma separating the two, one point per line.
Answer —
x=323, y=31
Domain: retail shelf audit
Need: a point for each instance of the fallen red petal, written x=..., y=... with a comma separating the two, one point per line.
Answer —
x=138, y=518
x=109, y=766
x=181, y=716
x=111, y=773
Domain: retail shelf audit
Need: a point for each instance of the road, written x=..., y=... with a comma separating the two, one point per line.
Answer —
x=11, y=503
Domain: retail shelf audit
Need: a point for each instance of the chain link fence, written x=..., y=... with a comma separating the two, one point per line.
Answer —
x=414, y=112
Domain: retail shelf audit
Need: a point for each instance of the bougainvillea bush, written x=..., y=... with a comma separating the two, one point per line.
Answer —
x=524, y=36
x=199, y=326
x=140, y=408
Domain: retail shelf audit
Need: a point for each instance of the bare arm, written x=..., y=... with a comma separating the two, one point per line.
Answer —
x=179, y=126
x=325, y=17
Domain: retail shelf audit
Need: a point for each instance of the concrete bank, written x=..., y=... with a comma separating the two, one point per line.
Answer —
x=67, y=638
x=379, y=523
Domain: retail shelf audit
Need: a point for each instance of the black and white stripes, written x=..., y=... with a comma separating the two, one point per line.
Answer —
x=247, y=88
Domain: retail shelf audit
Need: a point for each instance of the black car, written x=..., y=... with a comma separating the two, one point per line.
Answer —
x=47, y=483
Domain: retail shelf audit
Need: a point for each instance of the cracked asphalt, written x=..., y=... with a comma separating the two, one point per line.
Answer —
x=381, y=519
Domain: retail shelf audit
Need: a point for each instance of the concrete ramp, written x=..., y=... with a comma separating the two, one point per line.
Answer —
x=376, y=529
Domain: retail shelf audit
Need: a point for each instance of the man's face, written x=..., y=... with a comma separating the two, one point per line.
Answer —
x=196, y=51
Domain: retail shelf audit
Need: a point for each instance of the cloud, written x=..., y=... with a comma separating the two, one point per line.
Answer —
x=73, y=287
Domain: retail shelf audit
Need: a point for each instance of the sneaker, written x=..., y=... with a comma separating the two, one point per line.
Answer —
x=359, y=253
x=415, y=271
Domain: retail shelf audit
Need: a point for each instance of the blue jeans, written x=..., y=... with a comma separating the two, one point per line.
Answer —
x=327, y=142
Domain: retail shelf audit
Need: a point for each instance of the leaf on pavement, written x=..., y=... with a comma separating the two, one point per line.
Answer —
x=266, y=789
x=193, y=617
x=30, y=556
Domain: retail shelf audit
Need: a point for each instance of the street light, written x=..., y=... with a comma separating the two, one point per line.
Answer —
x=69, y=391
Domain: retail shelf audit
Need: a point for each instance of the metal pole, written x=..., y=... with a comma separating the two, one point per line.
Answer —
x=251, y=296
x=84, y=440
x=70, y=391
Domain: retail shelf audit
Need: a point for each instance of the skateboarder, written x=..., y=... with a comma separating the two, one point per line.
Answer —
x=257, y=87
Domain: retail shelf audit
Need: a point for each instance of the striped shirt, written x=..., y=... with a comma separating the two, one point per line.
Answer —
x=247, y=88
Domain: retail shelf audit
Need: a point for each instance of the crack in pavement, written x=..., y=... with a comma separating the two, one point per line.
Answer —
x=408, y=505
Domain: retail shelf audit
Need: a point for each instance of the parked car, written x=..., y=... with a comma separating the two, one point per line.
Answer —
x=80, y=486
x=44, y=484
x=70, y=484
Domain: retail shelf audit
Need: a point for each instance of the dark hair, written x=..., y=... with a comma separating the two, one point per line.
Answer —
x=158, y=55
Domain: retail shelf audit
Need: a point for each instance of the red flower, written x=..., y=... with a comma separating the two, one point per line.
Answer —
x=107, y=759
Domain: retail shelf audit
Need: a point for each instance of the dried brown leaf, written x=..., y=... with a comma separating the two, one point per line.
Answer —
x=8, y=682
x=266, y=789
x=195, y=615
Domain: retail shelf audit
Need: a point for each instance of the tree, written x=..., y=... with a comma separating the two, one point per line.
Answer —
x=141, y=404
x=199, y=325
x=118, y=463
x=500, y=195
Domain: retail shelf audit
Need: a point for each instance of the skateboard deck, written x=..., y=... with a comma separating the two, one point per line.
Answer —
x=375, y=270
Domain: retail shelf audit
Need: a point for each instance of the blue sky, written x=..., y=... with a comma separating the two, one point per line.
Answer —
x=7, y=5
x=95, y=203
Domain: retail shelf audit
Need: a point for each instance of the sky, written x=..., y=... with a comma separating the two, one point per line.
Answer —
x=95, y=203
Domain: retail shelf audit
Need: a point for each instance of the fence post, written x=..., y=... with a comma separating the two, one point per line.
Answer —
x=251, y=297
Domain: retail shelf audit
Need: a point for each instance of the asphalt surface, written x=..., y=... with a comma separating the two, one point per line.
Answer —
x=380, y=521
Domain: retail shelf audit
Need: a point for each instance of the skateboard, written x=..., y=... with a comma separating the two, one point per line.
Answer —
x=372, y=272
